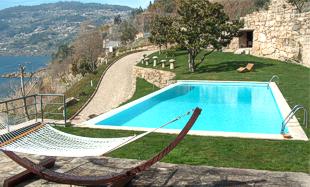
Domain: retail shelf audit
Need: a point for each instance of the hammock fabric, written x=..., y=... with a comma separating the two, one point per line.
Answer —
x=42, y=139
x=47, y=141
x=120, y=179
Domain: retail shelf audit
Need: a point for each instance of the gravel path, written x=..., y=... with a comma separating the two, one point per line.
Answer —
x=117, y=86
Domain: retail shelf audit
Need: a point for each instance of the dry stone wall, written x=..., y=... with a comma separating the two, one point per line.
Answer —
x=159, y=78
x=279, y=32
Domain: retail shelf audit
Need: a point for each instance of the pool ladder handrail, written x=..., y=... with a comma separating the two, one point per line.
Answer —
x=292, y=114
x=273, y=79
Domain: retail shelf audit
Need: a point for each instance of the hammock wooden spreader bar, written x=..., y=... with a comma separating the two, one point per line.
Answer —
x=111, y=180
x=37, y=127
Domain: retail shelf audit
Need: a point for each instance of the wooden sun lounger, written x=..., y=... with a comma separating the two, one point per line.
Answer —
x=42, y=170
x=249, y=67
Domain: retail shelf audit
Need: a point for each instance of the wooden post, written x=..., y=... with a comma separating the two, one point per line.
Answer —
x=35, y=107
x=65, y=110
x=22, y=72
x=42, y=112
x=27, y=175
x=7, y=113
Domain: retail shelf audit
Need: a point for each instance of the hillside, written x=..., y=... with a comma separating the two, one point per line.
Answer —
x=234, y=8
x=39, y=30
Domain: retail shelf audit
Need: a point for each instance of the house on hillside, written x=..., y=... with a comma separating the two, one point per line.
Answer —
x=139, y=35
x=142, y=35
x=109, y=45
x=280, y=32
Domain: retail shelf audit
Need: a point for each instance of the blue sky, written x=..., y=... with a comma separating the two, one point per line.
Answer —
x=132, y=3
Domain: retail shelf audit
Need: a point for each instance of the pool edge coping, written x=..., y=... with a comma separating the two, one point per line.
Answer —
x=293, y=126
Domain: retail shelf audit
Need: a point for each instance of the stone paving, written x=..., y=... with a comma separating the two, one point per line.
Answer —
x=163, y=174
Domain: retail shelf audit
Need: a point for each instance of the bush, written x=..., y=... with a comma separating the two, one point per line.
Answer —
x=261, y=4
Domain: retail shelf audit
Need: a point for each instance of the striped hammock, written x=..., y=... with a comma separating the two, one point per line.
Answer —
x=42, y=139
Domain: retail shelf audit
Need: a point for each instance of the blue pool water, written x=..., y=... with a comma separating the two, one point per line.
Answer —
x=226, y=107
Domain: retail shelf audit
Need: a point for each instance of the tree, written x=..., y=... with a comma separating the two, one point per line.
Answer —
x=203, y=25
x=117, y=20
x=87, y=48
x=136, y=11
x=150, y=5
x=299, y=4
x=261, y=4
x=162, y=31
x=63, y=52
x=128, y=32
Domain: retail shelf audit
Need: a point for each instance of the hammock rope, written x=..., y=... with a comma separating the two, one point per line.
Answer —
x=42, y=139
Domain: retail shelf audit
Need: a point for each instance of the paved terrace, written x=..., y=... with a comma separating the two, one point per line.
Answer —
x=163, y=174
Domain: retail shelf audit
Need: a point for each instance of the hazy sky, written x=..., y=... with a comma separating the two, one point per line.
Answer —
x=131, y=3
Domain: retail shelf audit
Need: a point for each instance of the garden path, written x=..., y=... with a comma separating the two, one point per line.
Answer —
x=116, y=87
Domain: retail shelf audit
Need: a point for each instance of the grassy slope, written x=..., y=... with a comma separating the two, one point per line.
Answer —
x=83, y=89
x=227, y=152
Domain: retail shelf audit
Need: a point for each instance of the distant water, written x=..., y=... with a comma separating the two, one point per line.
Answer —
x=9, y=64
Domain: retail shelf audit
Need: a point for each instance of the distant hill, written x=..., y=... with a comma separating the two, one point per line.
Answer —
x=38, y=30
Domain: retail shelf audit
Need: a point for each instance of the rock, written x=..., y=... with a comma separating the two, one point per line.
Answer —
x=159, y=78
x=276, y=29
x=245, y=51
x=296, y=26
x=92, y=116
x=69, y=102
x=262, y=37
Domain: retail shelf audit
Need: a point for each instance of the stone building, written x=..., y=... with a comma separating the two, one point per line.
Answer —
x=280, y=32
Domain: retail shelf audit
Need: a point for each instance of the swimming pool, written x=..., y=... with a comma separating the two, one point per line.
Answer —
x=237, y=109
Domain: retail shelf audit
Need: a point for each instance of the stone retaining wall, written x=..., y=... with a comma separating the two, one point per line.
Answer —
x=279, y=32
x=159, y=78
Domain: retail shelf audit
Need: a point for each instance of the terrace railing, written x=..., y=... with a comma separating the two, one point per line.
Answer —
x=35, y=107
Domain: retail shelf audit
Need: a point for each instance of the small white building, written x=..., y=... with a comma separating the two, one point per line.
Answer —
x=110, y=45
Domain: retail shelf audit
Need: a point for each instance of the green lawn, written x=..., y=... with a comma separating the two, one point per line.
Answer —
x=219, y=151
x=294, y=79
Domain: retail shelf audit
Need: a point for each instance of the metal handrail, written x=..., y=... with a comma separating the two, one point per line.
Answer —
x=36, y=105
x=16, y=99
x=292, y=113
x=273, y=79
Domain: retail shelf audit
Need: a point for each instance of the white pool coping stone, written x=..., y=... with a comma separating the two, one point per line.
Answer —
x=294, y=128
